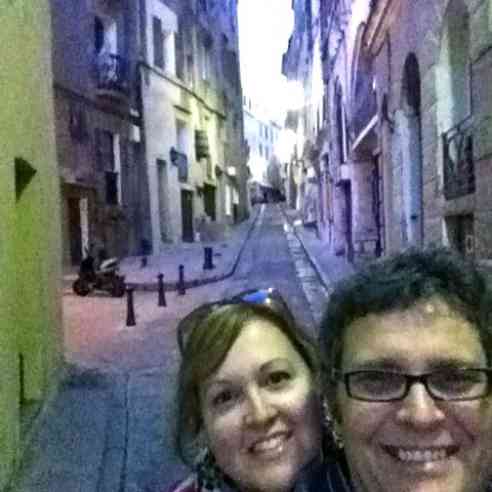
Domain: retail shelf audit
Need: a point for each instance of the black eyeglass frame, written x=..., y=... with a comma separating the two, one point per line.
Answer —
x=410, y=380
x=187, y=324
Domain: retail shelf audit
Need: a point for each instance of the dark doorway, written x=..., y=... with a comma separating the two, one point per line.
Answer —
x=187, y=215
x=378, y=206
x=75, y=231
x=412, y=152
x=347, y=195
x=209, y=200
x=461, y=234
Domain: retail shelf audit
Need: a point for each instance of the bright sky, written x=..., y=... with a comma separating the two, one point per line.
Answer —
x=264, y=30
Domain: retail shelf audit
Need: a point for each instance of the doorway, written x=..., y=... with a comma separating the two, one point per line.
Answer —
x=347, y=218
x=187, y=215
x=209, y=200
x=378, y=206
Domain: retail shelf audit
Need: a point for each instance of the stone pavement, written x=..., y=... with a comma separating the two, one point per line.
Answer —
x=226, y=254
x=330, y=268
x=89, y=430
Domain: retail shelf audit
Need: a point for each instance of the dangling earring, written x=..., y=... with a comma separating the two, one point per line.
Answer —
x=209, y=476
x=329, y=425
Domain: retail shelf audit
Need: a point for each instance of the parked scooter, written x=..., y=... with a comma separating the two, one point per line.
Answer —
x=104, y=277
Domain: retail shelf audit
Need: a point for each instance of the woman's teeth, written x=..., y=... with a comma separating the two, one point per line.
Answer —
x=268, y=444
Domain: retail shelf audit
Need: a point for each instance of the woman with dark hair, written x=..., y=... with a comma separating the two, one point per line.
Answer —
x=406, y=345
x=249, y=413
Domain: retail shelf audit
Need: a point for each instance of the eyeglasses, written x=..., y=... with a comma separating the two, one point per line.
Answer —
x=269, y=297
x=446, y=384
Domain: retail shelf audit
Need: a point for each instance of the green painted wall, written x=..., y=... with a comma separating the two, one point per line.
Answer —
x=30, y=249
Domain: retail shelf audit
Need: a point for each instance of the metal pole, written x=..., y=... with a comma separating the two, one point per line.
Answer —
x=181, y=282
x=130, y=310
x=162, y=293
x=208, y=258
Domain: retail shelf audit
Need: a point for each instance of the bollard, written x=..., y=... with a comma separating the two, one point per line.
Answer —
x=181, y=282
x=143, y=262
x=130, y=311
x=208, y=258
x=162, y=293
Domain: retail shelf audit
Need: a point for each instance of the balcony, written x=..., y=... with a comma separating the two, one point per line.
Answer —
x=458, y=163
x=364, y=110
x=111, y=76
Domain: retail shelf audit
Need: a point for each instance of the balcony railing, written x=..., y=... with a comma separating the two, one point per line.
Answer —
x=459, y=166
x=112, y=73
x=180, y=160
x=364, y=109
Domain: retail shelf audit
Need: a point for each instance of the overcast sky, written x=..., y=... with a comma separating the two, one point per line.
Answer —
x=264, y=30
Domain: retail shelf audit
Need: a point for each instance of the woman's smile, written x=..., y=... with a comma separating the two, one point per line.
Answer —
x=270, y=446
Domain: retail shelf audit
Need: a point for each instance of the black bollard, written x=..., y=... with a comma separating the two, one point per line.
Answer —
x=181, y=282
x=143, y=262
x=208, y=258
x=162, y=293
x=130, y=310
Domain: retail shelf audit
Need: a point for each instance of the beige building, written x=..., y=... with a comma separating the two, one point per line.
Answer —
x=30, y=250
x=404, y=145
x=192, y=113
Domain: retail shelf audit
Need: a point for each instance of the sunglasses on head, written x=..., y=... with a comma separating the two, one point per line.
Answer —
x=269, y=297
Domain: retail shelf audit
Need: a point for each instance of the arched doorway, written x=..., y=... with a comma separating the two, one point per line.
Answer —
x=411, y=138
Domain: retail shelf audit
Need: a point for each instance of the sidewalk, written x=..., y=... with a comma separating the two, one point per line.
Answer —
x=225, y=257
x=330, y=268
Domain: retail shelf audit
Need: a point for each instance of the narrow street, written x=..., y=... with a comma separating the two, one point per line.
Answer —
x=129, y=372
x=266, y=261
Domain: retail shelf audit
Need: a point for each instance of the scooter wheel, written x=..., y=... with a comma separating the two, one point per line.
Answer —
x=118, y=287
x=81, y=287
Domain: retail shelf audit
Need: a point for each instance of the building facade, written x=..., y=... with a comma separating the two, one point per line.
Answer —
x=149, y=122
x=30, y=246
x=98, y=127
x=262, y=136
x=404, y=149
x=192, y=113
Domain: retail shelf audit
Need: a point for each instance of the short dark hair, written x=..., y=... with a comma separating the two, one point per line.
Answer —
x=206, y=349
x=399, y=282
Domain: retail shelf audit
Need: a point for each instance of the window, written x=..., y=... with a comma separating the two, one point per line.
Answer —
x=105, y=35
x=104, y=150
x=98, y=34
x=111, y=179
x=158, y=38
x=206, y=61
x=108, y=161
x=181, y=71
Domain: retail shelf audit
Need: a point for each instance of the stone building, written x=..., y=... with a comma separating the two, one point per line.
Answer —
x=192, y=113
x=302, y=63
x=98, y=127
x=262, y=135
x=30, y=246
x=404, y=148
